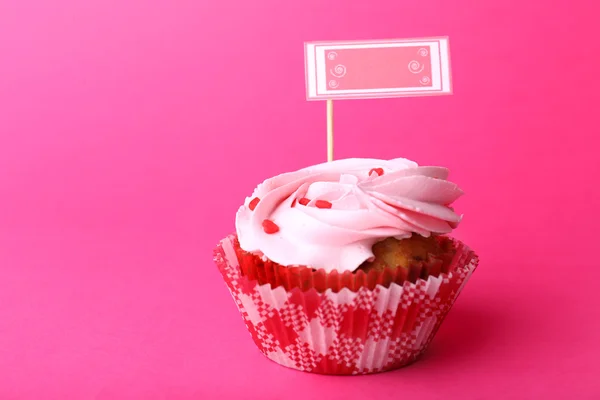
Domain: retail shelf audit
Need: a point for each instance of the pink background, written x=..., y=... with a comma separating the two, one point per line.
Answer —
x=130, y=131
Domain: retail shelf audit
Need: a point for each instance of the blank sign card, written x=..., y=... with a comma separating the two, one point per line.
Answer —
x=377, y=68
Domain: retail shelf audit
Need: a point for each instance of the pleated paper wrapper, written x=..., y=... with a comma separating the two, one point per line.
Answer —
x=343, y=331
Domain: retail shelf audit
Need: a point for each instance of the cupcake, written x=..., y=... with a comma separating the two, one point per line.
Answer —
x=346, y=267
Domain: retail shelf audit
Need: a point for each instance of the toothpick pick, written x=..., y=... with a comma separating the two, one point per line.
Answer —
x=329, y=130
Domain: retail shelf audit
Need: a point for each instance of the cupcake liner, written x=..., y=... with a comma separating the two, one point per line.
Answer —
x=344, y=332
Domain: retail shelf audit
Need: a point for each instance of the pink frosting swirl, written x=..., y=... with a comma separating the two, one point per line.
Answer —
x=369, y=200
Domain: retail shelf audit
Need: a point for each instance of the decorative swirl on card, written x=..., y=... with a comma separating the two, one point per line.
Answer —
x=415, y=67
x=333, y=84
x=338, y=71
x=423, y=52
x=424, y=80
x=332, y=55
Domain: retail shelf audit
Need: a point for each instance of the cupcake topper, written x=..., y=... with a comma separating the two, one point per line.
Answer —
x=371, y=69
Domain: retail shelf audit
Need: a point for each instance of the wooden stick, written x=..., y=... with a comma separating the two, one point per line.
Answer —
x=329, y=130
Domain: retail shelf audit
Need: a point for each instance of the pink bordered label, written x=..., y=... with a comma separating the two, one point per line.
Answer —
x=377, y=68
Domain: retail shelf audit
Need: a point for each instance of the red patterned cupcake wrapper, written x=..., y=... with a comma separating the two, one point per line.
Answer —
x=345, y=332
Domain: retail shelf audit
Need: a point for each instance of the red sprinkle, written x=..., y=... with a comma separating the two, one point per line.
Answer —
x=294, y=203
x=322, y=204
x=253, y=203
x=378, y=171
x=304, y=201
x=270, y=227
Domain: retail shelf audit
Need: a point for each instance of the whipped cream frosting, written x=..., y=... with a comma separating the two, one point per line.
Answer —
x=329, y=215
